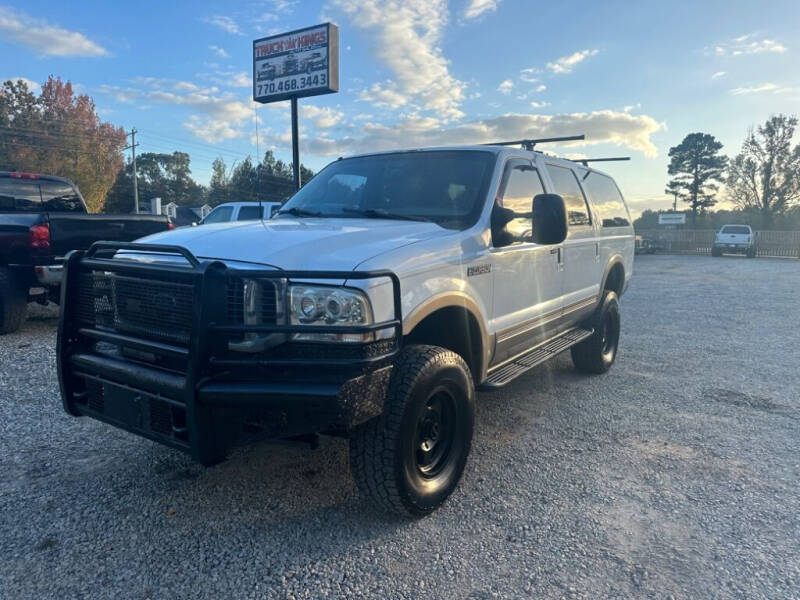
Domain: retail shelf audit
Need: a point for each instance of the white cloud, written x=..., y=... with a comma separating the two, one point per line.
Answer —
x=540, y=88
x=323, y=118
x=529, y=75
x=600, y=127
x=222, y=114
x=760, y=89
x=718, y=74
x=383, y=97
x=43, y=38
x=476, y=8
x=405, y=35
x=221, y=52
x=745, y=44
x=505, y=87
x=33, y=87
x=539, y=104
x=565, y=64
x=225, y=23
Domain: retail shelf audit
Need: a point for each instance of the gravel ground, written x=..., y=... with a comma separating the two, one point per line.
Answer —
x=674, y=475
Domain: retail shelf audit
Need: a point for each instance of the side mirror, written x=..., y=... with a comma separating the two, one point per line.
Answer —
x=549, y=219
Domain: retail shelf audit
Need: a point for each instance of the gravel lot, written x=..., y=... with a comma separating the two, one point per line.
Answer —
x=674, y=475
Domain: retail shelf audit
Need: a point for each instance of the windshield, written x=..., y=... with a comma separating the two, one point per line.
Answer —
x=740, y=229
x=447, y=187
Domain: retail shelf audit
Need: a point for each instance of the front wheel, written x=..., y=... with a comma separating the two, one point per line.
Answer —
x=716, y=251
x=596, y=353
x=410, y=459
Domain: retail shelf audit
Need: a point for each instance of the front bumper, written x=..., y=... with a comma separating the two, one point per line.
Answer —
x=196, y=396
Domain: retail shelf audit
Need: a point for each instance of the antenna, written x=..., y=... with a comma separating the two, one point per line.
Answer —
x=530, y=144
x=586, y=161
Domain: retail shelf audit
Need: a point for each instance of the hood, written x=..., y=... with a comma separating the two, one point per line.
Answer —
x=332, y=244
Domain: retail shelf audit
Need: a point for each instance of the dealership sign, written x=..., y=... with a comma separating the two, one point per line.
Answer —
x=672, y=218
x=296, y=64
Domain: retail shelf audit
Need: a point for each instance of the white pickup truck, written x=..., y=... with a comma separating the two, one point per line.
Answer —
x=735, y=239
x=382, y=295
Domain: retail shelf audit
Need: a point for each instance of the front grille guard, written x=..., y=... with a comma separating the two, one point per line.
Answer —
x=209, y=305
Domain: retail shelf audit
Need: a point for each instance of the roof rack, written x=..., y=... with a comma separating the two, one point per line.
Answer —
x=586, y=161
x=530, y=144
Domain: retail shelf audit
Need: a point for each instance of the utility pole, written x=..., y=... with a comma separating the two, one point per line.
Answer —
x=132, y=146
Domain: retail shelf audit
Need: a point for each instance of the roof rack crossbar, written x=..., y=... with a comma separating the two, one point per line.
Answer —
x=530, y=144
x=586, y=161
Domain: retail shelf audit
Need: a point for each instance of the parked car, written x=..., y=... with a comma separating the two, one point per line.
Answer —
x=735, y=239
x=241, y=211
x=43, y=217
x=290, y=65
x=648, y=245
x=372, y=306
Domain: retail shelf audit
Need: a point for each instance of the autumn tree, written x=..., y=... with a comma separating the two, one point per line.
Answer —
x=765, y=175
x=60, y=133
x=697, y=168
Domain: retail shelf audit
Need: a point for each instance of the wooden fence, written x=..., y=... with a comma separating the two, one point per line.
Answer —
x=768, y=243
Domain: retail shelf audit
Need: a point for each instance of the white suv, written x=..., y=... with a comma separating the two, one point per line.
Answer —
x=372, y=306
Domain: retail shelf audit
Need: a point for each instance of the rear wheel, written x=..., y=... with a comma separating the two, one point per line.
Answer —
x=596, y=353
x=13, y=302
x=410, y=459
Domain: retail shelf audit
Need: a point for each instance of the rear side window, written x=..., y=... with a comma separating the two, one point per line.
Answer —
x=565, y=184
x=249, y=213
x=60, y=197
x=19, y=196
x=738, y=229
x=608, y=202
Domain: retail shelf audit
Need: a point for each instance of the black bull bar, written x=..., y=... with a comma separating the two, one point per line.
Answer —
x=196, y=407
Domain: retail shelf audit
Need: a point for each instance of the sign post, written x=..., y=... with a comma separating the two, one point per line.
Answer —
x=292, y=65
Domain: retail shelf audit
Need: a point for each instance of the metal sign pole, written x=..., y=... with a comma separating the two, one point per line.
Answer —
x=295, y=146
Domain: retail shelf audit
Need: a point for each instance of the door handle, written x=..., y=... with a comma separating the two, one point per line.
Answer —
x=554, y=250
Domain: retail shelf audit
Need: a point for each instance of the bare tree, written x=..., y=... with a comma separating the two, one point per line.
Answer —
x=765, y=175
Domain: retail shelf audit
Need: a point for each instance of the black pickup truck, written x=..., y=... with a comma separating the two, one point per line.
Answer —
x=43, y=217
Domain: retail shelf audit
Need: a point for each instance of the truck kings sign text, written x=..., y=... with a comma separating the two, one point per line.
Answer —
x=296, y=64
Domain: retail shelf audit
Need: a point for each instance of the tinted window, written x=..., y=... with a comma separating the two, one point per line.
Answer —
x=522, y=184
x=219, y=215
x=442, y=186
x=19, y=195
x=249, y=213
x=739, y=229
x=566, y=185
x=608, y=202
x=60, y=197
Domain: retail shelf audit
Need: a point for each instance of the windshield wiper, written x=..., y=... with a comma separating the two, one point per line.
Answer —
x=378, y=213
x=299, y=212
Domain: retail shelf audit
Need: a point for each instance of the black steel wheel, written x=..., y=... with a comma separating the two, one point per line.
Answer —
x=597, y=353
x=410, y=459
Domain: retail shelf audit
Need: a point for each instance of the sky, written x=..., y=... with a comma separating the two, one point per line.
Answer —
x=634, y=77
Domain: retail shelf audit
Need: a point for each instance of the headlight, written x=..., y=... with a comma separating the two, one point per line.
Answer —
x=319, y=305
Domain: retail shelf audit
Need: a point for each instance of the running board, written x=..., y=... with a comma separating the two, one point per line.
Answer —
x=505, y=373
